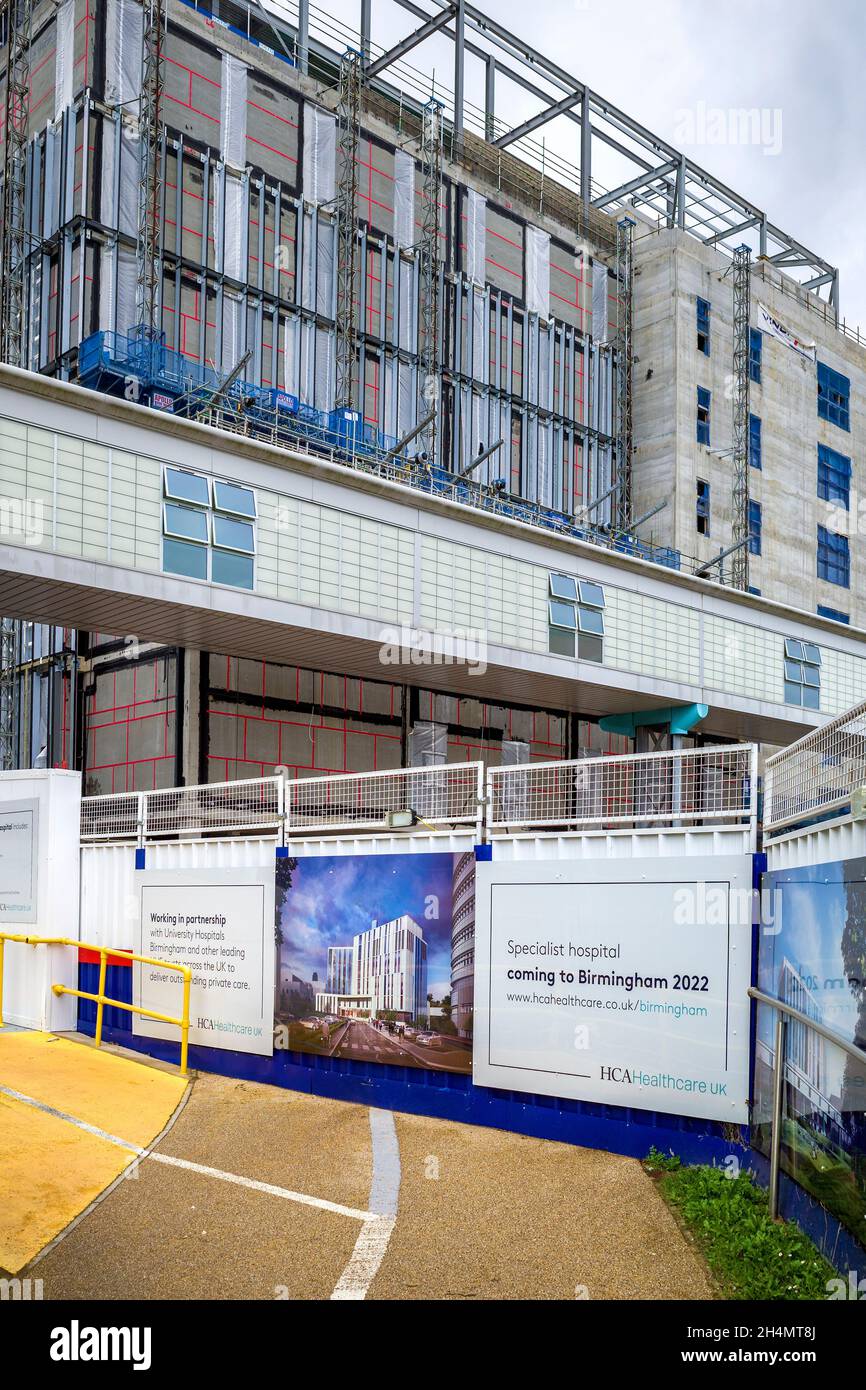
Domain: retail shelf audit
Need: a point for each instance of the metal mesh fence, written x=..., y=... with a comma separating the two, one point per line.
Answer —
x=444, y=795
x=706, y=784
x=819, y=772
x=110, y=817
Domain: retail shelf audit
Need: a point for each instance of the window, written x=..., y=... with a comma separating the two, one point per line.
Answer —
x=837, y=617
x=834, y=559
x=802, y=674
x=703, y=316
x=754, y=441
x=208, y=535
x=576, y=618
x=703, y=415
x=834, y=476
x=702, y=507
x=834, y=391
x=756, y=350
x=754, y=528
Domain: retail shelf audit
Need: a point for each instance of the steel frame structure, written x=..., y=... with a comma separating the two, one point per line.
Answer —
x=741, y=277
x=624, y=419
x=148, y=261
x=348, y=142
x=665, y=184
x=17, y=16
x=429, y=296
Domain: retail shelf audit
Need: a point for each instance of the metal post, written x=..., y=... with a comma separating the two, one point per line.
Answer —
x=366, y=30
x=2, y=953
x=184, y=1027
x=740, y=419
x=8, y=692
x=459, y=67
x=304, y=35
x=778, y=1112
x=100, y=1008
x=490, y=98
x=585, y=156
x=624, y=352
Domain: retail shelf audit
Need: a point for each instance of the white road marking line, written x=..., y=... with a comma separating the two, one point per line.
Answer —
x=302, y=1197
x=372, y=1242
x=71, y=1119
x=266, y=1187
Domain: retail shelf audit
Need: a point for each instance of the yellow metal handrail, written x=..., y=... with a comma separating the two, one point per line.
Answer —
x=100, y=999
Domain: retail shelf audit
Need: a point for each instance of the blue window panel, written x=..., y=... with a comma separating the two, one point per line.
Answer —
x=834, y=476
x=590, y=593
x=837, y=617
x=187, y=487
x=834, y=558
x=755, y=441
x=703, y=324
x=753, y=590
x=228, y=497
x=181, y=557
x=834, y=394
x=186, y=523
x=754, y=528
x=756, y=352
x=563, y=586
x=229, y=568
x=703, y=420
x=702, y=507
x=234, y=535
x=562, y=614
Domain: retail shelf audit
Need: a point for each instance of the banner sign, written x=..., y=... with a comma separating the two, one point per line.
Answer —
x=220, y=923
x=768, y=323
x=813, y=956
x=375, y=958
x=622, y=983
x=18, y=863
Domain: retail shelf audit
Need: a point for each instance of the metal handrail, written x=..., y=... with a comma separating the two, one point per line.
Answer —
x=100, y=999
x=784, y=1012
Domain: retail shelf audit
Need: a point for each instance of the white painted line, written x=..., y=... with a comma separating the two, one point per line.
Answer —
x=284, y=1192
x=266, y=1187
x=372, y=1243
x=71, y=1120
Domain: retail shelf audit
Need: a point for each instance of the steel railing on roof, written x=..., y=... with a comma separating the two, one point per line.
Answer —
x=711, y=786
x=818, y=773
x=683, y=787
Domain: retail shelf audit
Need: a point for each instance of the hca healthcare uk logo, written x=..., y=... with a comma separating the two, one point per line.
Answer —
x=77, y=1343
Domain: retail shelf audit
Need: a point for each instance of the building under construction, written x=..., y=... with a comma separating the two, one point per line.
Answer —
x=622, y=397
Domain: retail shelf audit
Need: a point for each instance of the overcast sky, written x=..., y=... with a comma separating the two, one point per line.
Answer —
x=799, y=62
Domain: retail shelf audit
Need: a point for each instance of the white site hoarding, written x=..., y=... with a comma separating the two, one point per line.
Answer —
x=220, y=922
x=618, y=982
x=19, y=822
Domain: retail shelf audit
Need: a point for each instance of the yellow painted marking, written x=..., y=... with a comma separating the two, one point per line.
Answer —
x=49, y=1172
x=113, y=1093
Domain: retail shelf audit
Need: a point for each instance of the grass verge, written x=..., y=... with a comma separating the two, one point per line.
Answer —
x=750, y=1255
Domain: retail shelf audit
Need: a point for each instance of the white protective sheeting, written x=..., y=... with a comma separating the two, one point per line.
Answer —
x=537, y=271
x=233, y=337
x=599, y=302
x=123, y=29
x=117, y=291
x=234, y=225
x=404, y=198
x=476, y=237
x=320, y=154
x=233, y=112
x=407, y=336
x=292, y=356
x=64, y=58
x=428, y=746
x=324, y=385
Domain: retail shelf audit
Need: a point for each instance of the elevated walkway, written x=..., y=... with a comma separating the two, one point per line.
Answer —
x=72, y=1118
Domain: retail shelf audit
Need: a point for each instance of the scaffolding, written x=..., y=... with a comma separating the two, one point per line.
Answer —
x=429, y=290
x=624, y=414
x=8, y=683
x=740, y=421
x=148, y=264
x=17, y=17
x=349, y=137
